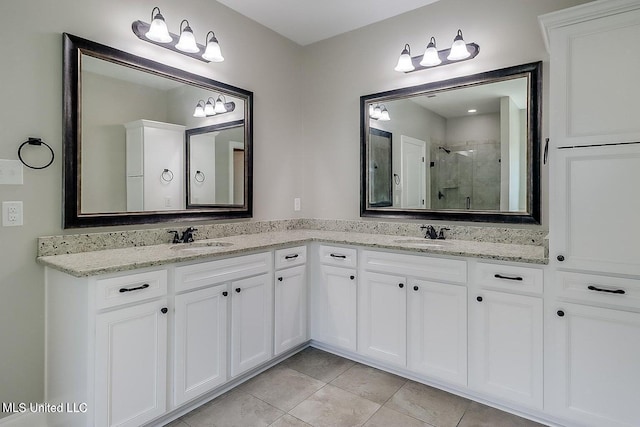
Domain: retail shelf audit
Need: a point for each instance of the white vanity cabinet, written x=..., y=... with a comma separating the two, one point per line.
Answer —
x=412, y=312
x=506, y=333
x=155, y=166
x=103, y=332
x=594, y=95
x=335, y=298
x=290, y=299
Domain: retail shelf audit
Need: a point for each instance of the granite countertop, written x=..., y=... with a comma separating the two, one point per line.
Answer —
x=114, y=260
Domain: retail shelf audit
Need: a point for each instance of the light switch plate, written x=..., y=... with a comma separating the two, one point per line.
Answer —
x=10, y=172
x=11, y=214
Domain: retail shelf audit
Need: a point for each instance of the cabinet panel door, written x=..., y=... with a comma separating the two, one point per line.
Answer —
x=200, y=342
x=596, y=380
x=290, y=308
x=382, y=317
x=595, y=100
x=594, y=220
x=437, y=330
x=505, y=358
x=251, y=322
x=337, y=307
x=131, y=365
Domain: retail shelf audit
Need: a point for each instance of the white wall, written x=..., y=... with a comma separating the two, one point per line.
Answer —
x=338, y=71
x=257, y=59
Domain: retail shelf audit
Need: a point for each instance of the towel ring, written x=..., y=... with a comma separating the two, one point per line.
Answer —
x=36, y=142
x=199, y=177
x=167, y=175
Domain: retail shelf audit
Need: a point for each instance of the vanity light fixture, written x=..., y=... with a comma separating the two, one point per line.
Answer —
x=213, y=107
x=432, y=57
x=157, y=33
x=379, y=112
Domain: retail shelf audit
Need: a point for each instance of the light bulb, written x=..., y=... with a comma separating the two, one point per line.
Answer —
x=404, y=62
x=384, y=115
x=220, y=108
x=431, y=57
x=199, y=111
x=458, y=49
x=158, y=31
x=208, y=108
x=212, y=52
x=187, y=42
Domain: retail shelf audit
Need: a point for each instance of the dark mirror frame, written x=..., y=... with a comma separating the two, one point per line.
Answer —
x=73, y=48
x=534, y=132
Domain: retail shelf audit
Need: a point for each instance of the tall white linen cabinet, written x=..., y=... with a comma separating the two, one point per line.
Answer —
x=592, y=324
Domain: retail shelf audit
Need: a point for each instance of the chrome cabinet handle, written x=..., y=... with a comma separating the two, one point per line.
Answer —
x=123, y=290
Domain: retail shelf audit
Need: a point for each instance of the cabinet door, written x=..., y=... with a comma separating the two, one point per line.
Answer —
x=290, y=308
x=595, y=379
x=437, y=330
x=505, y=358
x=594, y=218
x=131, y=365
x=251, y=322
x=382, y=317
x=200, y=342
x=337, y=307
x=593, y=100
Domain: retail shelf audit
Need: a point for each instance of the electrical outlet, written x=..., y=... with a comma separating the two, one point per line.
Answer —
x=11, y=214
x=296, y=204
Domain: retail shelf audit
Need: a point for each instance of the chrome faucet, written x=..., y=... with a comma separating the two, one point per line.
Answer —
x=187, y=235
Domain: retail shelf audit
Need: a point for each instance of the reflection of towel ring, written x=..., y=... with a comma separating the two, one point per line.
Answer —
x=167, y=175
x=35, y=141
x=199, y=176
x=396, y=178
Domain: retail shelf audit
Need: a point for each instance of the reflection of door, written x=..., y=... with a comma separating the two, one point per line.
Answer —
x=238, y=177
x=413, y=158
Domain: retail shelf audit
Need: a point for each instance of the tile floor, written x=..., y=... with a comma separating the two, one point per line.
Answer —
x=319, y=389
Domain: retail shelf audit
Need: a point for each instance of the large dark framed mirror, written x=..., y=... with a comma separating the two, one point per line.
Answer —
x=126, y=121
x=465, y=149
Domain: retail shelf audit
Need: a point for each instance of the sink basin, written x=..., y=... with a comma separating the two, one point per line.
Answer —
x=202, y=246
x=422, y=243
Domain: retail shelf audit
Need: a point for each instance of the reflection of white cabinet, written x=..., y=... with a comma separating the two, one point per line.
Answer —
x=155, y=166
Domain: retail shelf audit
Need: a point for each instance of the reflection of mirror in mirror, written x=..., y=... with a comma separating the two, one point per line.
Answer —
x=456, y=148
x=133, y=128
x=216, y=164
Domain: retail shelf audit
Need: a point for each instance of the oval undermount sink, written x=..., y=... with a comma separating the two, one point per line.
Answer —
x=422, y=243
x=201, y=246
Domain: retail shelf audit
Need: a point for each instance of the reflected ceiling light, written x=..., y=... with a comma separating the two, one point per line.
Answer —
x=158, y=31
x=459, y=51
x=187, y=42
x=212, y=52
x=213, y=107
x=379, y=112
x=431, y=57
x=158, y=34
x=404, y=62
x=473, y=110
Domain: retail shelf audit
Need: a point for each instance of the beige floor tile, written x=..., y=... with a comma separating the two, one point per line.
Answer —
x=318, y=364
x=289, y=421
x=428, y=404
x=282, y=387
x=370, y=383
x=333, y=407
x=235, y=409
x=177, y=423
x=479, y=415
x=386, y=417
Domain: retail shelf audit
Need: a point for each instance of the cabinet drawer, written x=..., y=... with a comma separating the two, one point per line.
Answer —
x=509, y=277
x=114, y=291
x=599, y=289
x=334, y=255
x=209, y=273
x=290, y=256
x=440, y=269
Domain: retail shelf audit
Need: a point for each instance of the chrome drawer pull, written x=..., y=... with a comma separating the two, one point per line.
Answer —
x=611, y=291
x=500, y=276
x=123, y=290
x=338, y=256
x=291, y=256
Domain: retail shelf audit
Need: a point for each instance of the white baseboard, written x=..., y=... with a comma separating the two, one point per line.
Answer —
x=27, y=419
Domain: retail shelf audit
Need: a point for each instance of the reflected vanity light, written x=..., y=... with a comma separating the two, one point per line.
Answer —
x=432, y=57
x=157, y=33
x=213, y=107
x=379, y=112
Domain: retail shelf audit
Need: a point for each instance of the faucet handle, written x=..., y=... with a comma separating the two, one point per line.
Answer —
x=441, y=232
x=176, y=239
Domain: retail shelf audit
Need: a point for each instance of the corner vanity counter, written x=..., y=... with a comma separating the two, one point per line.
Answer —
x=190, y=321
